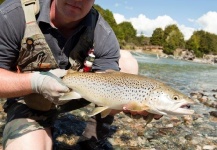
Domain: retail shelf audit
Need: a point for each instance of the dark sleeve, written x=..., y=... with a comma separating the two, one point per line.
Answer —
x=11, y=34
x=107, y=49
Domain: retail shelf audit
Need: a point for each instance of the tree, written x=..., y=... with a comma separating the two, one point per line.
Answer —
x=173, y=39
x=126, y=32
x=157, y=37
x=108, y=16
x=213, y=44
x=202, y=42
x=140, y=40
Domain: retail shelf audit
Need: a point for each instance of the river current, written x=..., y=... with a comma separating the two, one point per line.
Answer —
x=185, y=76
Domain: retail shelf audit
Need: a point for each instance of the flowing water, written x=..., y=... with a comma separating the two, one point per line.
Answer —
x=196, y=134
x=185, y=76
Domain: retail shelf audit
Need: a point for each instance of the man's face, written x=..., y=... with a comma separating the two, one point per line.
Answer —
x=74, y=10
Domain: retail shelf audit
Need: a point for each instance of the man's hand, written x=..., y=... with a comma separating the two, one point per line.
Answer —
x=49, y=84
x=58, y=72
x=143, y=113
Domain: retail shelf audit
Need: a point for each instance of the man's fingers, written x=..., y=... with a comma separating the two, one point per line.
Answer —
x=58, y=72
x=157, y=117
x=142, y=113
x=131, y=112
x=114, y=112
x=63, y=89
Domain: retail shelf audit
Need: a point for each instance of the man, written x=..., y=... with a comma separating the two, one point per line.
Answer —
x=63, y=23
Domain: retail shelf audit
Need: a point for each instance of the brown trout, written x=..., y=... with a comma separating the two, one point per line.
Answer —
x=113, y=90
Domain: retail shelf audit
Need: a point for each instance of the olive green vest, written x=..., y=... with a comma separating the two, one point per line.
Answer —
x=35, y=54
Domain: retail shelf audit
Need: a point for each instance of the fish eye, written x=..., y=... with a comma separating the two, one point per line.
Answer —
x=175, y=97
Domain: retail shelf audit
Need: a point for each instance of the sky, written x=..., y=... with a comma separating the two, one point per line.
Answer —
x=147, y=15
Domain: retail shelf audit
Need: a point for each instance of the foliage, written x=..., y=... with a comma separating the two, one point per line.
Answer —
x=173, y=39
x=202, y=42
x=124, y=31
x=141, y=40
x=108, y=16
x=157, y=37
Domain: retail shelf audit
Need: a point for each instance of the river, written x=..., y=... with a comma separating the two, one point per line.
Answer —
x=186, y=76
x=196, y=132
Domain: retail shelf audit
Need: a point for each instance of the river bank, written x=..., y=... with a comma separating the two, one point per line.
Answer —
x=196, y=132
x=209, y=59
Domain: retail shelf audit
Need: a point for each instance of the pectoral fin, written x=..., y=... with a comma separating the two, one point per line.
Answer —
x=103, y=110
x=70, y=95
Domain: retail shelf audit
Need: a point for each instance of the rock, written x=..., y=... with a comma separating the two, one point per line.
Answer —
x=140, y=133
x=169, y=125
x=199, y=120
x=184, y=54
x=196, y=95
x=195, y=142
x=129, y=120
x=68, y=140
x=149, y=125
x=198, y=147
x=203, y=99
x=187, y=119
x=210, y=58
x=196, y=116
x=2, y=116
x=141, y=141
x=213, y=104
x=214, y=90
x=165, y=133
x=83, y=114
x=189, y=137
x=209, y=147
x=213, y=113
x=182, y=140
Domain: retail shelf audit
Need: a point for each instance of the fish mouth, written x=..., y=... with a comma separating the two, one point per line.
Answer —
x=186, y=106
x=183, y=108
x=186, y=109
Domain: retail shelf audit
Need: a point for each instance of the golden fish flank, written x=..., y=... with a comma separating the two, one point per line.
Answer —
x=113, y=90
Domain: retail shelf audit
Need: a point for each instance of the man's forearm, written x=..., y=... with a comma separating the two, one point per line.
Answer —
x=14, y=84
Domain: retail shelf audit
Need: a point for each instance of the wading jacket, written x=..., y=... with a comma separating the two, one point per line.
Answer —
x=91, y=30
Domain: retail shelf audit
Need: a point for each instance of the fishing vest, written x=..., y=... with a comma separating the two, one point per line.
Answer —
x=35, y=54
